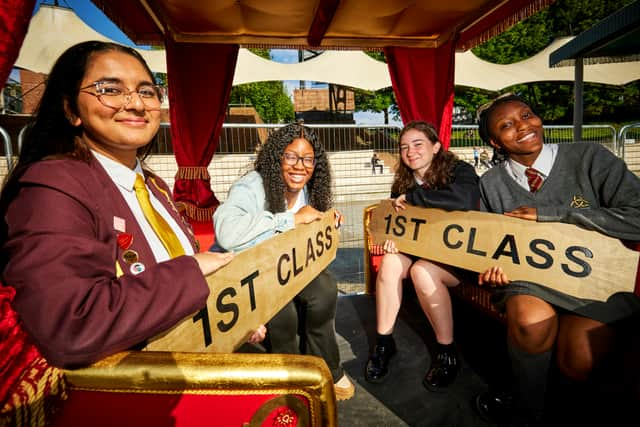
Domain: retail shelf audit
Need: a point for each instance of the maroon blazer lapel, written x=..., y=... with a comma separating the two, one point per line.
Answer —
x=126, y=254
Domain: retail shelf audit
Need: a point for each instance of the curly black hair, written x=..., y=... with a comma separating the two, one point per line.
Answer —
x=268, y=165
x=440, y=171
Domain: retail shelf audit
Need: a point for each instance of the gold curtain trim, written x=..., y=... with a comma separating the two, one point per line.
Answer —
x=193, y=212
x=507, y=23
x=192, y=172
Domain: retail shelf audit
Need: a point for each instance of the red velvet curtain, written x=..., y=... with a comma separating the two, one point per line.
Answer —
x=200, y=79
x=422, y=81
x=14, y=22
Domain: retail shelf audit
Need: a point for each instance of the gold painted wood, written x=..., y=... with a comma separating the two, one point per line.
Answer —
x=253, y=287
x=149, y=372
x=564, y=257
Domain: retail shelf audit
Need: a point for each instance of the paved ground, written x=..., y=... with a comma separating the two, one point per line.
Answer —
x=402, y=400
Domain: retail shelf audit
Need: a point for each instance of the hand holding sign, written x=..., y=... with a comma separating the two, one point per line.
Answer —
x=578, y=262
x=253, y=287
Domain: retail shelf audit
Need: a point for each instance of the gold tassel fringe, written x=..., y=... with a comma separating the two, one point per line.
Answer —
x=192, y=172
x=506, y=23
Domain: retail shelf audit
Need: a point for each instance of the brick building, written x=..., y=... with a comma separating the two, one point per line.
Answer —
x=334, y=104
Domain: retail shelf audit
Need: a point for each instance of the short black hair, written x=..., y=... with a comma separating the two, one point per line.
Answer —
x=484, y=112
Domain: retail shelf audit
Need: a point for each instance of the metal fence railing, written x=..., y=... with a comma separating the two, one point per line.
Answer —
x=8, y=149
x=629, y=146
x=350, y=148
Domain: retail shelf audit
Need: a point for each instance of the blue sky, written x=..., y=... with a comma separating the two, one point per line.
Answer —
x=93, y=17
x=97, y=20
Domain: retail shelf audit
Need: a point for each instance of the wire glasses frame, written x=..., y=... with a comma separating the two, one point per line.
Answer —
x=117, y=96
x=292, y=159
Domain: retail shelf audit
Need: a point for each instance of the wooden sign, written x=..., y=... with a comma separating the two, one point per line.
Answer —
x=564, y=257
x=253, y=287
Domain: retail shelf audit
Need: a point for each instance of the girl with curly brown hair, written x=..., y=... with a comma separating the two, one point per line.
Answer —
x=291, y=185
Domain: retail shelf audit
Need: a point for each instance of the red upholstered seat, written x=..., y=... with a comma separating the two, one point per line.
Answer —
x=108, y=409
x=198, y=389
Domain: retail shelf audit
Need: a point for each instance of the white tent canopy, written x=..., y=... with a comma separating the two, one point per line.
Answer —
x=53, y=29
x=475, y=72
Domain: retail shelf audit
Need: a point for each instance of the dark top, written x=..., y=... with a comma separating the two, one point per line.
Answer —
x=461, y=193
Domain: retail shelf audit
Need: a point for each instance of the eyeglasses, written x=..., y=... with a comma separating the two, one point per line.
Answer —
x=115, y=95
x=292, y=159
x=488, y=105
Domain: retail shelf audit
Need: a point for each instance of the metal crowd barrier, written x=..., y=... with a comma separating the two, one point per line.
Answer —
x=8, y=149
x=350, y=148
x=629, y=146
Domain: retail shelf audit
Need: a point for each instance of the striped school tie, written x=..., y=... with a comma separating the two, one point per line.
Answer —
x=534, y=178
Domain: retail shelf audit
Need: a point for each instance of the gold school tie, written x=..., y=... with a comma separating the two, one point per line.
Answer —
x=534, y=178
x=163, y=230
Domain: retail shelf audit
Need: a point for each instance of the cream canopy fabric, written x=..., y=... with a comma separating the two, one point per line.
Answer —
x=53, y=29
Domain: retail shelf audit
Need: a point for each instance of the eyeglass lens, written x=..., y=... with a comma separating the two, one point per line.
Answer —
x=292, y=159
x=115, y=95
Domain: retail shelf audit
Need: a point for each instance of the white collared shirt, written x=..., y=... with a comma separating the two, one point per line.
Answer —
x=543, y=165
x=124, y=178
x=301, y=201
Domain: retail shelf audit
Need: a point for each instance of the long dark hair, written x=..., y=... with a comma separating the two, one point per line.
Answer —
x=268, y=162
x=440, y=170
x=51, y=135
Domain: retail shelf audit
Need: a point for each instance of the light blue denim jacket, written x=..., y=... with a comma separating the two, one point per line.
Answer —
x=243, y=221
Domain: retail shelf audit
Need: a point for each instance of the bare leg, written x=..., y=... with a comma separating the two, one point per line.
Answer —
x=393, y=269
x=532, y=324
x=582, y=343
x=431, y=282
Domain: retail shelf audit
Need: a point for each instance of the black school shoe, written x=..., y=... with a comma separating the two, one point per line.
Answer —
x=377, y=368
x=443, y=371
x=495, y=407
x=500, y=408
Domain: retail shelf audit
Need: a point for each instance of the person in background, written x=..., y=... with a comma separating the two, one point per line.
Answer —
x=428, y=176
x=579, y=183
x=99, y=257
x=375, y=163
x=476, y=156
x=484, y=159
x=291, y=185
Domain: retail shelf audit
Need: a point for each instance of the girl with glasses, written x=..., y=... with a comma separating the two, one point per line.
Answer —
x=291, y=185
x=96, y=269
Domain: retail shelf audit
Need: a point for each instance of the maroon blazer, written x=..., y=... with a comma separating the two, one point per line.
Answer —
x=63, y=247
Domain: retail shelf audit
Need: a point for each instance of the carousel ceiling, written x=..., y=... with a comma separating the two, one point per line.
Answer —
x=341, y=24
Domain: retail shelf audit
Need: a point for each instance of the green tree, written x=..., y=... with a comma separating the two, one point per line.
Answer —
x=563, y=18
x=380, y=101
x=521, y=41
x=270, y=99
